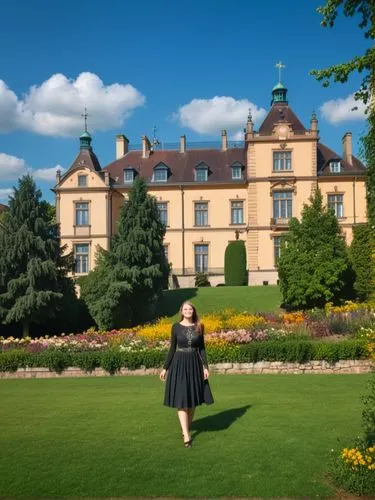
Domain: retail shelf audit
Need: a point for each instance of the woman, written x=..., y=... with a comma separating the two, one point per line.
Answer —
x=186, y=369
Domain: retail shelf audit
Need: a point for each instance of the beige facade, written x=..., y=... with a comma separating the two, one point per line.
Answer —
x=207, y=198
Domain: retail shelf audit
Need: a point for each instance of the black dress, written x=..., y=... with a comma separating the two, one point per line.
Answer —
x=185, y=386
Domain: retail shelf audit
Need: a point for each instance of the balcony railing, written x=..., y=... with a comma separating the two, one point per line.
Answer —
x=279, y=222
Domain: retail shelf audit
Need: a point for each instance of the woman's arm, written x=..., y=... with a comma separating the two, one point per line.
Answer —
x=202, y=350
x=172, y=349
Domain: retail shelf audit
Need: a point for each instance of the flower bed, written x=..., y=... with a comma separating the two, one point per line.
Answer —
x=229, y=337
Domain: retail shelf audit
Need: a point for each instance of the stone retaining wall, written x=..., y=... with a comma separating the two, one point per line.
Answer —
x=276, y=367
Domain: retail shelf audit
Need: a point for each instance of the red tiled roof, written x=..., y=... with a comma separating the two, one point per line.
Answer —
x=181, y=165
x=3, y=208
x=281, y=112
x=325, y=155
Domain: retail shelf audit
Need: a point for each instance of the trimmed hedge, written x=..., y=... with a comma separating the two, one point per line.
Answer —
x=297, y=351
x=235, y=264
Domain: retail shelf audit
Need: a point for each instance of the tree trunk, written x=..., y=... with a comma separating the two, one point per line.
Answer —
x=25, y=328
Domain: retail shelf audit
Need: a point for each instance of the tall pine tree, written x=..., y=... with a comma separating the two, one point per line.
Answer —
x=32, y=266
x=128, y=279
x=314, y=265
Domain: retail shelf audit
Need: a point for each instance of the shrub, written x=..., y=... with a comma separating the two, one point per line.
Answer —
x=354, y=469
x=235, y=264
x=201, y=280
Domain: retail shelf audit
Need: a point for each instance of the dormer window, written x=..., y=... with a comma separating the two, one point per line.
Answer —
x=160, y=173
x=237, y=171
x=335, y=166
x=128, y=176
x=201, y=172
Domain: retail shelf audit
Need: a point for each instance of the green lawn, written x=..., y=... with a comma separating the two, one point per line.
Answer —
x=266, y=435
x=240, y=298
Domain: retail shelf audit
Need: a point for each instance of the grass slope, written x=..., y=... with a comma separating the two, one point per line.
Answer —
x=207, y=300
x=265, y=435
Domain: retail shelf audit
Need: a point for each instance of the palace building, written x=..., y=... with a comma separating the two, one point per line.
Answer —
x=209, y=197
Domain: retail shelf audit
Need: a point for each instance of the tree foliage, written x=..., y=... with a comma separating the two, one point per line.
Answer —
x=360, y=255
x=32, y=266
x=365, y=64
x=235, y=264
x=313, y=265
x=129, y=278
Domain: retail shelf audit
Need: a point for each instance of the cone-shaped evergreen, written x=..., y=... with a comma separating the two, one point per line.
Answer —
x=32, y=268
x=138, y=249
x=128, y=279
x=314, y=263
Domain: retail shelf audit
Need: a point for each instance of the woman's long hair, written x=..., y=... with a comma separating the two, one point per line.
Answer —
x=195, y=318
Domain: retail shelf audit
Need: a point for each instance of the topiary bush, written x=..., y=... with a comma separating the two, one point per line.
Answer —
x=201, y=279
x=235, y=264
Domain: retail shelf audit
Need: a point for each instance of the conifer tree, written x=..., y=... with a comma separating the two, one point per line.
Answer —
x=32, y=267
x=313, y=265
x=138, y=253
x=128, y=279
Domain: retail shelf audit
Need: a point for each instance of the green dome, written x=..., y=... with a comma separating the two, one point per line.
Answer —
x=85, y=135
x=279, y=86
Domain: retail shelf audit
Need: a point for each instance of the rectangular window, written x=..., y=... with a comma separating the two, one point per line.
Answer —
x=282, y=204
x=81, y=255
x=282, y=160
x=236, y=212
x=201, y=258
x=336, y=202
x=163, y=212
x=201, y=174
x=201, y=214
x=166, y=252
x=237, y=173
x=82, y=180
x=128, y=176
x=335, y=167
x=160, y=175
x=82, y=214
x=276, y=248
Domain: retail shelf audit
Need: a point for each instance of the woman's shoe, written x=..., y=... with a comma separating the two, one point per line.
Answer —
x=187, y=444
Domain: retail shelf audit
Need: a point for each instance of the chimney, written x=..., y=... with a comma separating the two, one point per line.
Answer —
x=183, y=144
x=122, y=146
x=58, y=176
x=106, y=177
x=224, y=140
x=348, y=150
x=146, y=146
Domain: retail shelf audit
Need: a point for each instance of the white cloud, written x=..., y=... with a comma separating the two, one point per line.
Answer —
x=10, y=109
x=208, y=116
x=46, y=174
x=238, y=136
x=55, y=107
x=11, y=167
x=341, y=110
x=4, y=194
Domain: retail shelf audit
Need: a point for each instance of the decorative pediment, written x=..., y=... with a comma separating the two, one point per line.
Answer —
x=283, y=185
x=282, y=130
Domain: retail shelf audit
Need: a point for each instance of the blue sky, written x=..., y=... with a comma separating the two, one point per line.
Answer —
x=188, y=68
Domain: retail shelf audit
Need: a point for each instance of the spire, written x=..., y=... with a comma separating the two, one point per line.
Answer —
x=85, y=138
x=249, y=124
x=279, y=91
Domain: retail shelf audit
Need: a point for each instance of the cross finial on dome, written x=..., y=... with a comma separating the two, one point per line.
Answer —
x=85, y=115
x=280, y=67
